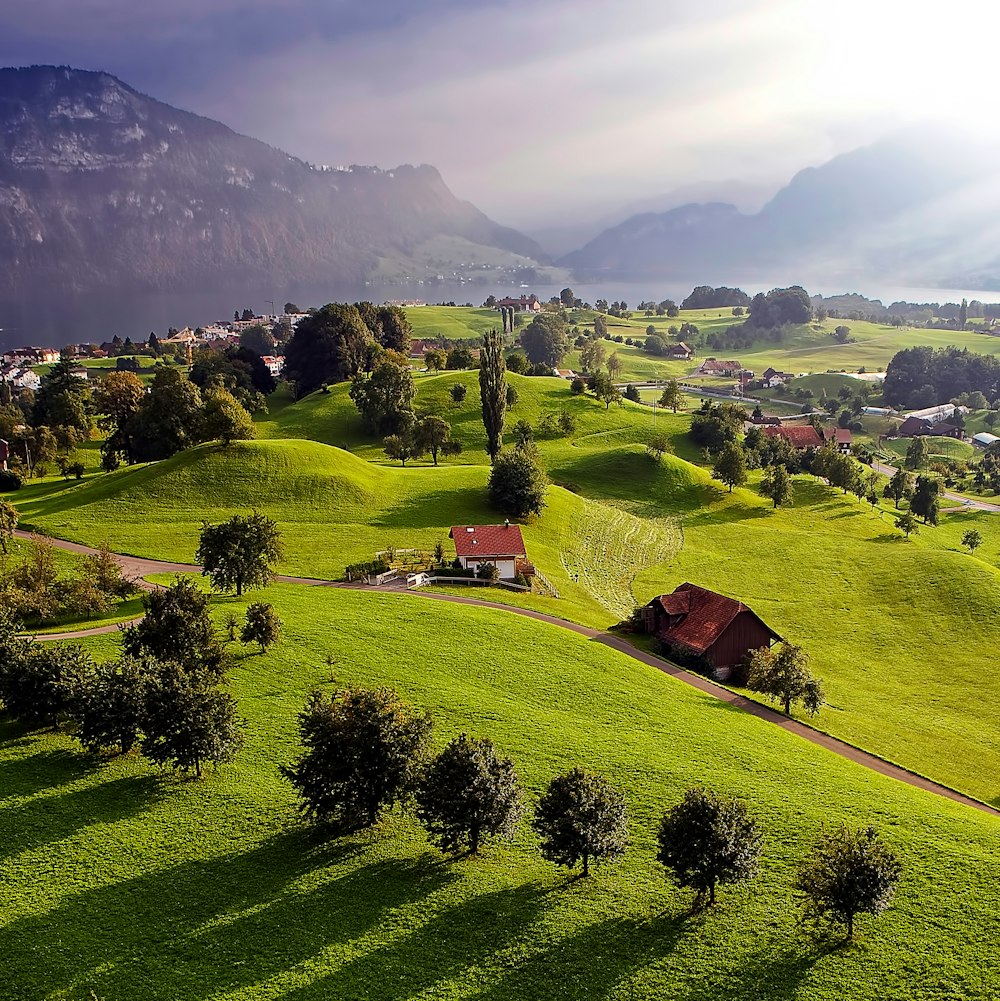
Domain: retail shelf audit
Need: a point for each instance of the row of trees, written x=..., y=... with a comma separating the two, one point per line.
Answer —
x=366, y=751
x=925, y=377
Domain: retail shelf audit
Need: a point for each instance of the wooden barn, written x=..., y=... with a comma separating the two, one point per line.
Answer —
x=696, y=622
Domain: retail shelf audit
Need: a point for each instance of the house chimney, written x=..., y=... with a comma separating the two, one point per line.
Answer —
x=506, y=523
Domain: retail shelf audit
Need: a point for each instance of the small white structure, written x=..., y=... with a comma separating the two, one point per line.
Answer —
x=500, y=545
x=877, y=411
x=984, y=439
x=274, y=363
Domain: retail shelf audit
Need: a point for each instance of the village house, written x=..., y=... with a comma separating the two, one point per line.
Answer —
x=564, y=373
x=797, y=435
x=840, y=437
x=274, y=364
x=680, y=352
x=20, y=378
x=500, y=545
x=712, y=366
x=915, y=427
x=772, y=378
x=523, y=304
x=693, y=622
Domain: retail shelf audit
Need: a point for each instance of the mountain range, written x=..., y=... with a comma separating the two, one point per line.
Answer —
x=103, y=187
x=914, y=208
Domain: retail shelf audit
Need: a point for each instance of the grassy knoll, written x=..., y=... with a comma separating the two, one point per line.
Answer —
x=940, y=448
x=120, y=883
x=456, y=323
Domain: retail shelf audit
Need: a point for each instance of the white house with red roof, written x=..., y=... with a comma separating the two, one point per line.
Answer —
x=500, y=545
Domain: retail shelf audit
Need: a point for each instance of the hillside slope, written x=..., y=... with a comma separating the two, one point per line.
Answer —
x=190, y=203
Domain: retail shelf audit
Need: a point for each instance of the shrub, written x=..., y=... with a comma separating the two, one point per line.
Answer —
x=517, y=484
x=9, y=481
x=577, y=387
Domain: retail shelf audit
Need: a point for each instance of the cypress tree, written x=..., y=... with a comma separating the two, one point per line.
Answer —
x=493, y=390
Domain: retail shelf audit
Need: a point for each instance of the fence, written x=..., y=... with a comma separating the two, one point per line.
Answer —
x=423, y=579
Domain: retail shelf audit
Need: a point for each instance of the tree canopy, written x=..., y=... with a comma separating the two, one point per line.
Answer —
x=237, y=554
x=544, y=340
x=517, y=483
x=327, y=346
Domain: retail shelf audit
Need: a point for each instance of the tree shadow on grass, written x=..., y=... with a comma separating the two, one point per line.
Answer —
x=48, y=769
x=49, y=819
x=594, y=961
x=889, y=538
x=448, y=943
x=206, y=926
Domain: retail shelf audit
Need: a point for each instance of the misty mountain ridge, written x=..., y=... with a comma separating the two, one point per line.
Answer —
x=103, y=187
x=906, y=208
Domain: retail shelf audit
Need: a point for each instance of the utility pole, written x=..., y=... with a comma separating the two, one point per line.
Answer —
x=270, y=302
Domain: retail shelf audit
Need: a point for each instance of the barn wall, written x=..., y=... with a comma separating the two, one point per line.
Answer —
x=744, y=633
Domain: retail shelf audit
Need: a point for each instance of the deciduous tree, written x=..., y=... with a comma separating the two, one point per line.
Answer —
x=468, y=793
x=109, y=708
x=517, y=483
x=707, y=840
x=776, y=485
x=850, y=872
x=363, y=752
x=225, y=419
x=971, y=537
x=261, y=625
x=783, y=675
x=385, y=398
x=581, y=817
x=671, y=396
x=544, y=340
x=907, y=524
x=238, y=553
x=924, y=503
x=8, y=523
x=731, y=465
x=900, y=486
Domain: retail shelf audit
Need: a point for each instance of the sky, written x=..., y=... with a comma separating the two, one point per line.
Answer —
x=541, y=112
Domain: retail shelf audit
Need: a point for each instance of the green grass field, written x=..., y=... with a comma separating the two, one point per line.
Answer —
x=120, y=882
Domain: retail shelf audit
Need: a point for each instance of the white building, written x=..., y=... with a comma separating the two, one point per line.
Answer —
x=984, y=439
x=275, y=364
x=937, y=414
x=500, y=545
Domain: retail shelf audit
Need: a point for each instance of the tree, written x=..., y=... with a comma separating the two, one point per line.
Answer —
x=907, y=524
x=783, y=676
x=963, y=315
x=328, y=345
x=392, y=329
x=118, y=398
x=671, y=396
x=970, y=537
x=776, y=484
x=8, y=523
x=435, y=359
x=63, y=399
x=238, y=553
x=567, y=298
x=257, y=339
x=459, y=392
x=169, y=420
x=187, y=722
x=592, y=355
x=606, y=391
x=523, y=434
x=176, y=628
x=364, y=751
x=581, y=817
x=262, y=625
x=544, y=340
x=924, y=502
x=850, y=872
x=842, y=334
x=731, y=465
x=225, y=419
x=900, y=485
x=614, y=364
x=917, y=453
x=493, y=390
x=468, y=793
x=433, y=435
x=460, y=357
x=707, y=840
x=109, y=708
x=600, y=326
x=385, y=398
x=39, y=683
x=517, y=484
x=403, y=446
x=658, y=446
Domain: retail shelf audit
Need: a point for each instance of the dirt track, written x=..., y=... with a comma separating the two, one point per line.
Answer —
x=138, y=567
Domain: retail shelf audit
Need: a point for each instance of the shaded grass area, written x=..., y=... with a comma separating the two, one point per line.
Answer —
x=124, y=883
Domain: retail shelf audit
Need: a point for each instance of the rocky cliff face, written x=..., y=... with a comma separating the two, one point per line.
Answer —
x=101, y=186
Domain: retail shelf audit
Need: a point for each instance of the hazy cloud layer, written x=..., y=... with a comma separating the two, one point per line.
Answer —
x=538, y=110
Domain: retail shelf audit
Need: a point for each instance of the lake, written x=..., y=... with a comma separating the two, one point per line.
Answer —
x=82, y=318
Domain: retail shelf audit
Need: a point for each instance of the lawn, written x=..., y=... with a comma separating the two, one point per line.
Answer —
x=120, y=882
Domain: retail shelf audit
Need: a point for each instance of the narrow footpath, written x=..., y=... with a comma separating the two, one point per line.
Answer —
x=138, y=568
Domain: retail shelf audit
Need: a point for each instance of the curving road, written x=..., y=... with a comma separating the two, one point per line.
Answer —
x=139, y=567
x=969, y=503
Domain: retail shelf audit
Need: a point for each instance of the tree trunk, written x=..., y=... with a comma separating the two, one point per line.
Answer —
x=474, y=841
x=850, y=926
x=586, y=864
x=434, y=455
x=711, y=893
x=788, y=705
x=197, y=766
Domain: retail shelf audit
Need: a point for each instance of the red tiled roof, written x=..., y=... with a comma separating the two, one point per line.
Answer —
x=705, y=616
x=800, y=436
x=842, y=436
x=488, y=540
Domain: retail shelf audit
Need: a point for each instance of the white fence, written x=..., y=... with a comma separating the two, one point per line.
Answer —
x=423, y=579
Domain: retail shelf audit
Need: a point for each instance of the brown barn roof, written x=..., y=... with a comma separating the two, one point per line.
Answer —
x=706, y=615
x=842, y=436
x=488, y=540
x=914, y=426
x=798, y=436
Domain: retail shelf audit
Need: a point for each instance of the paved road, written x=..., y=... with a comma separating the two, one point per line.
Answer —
x=968, y=502
x=138, y=566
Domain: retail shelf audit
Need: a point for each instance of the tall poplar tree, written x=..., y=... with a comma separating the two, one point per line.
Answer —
x=493, y=390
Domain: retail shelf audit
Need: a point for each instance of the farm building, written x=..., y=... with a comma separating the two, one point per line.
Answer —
x=984, y=439
x=500, y=545
x=682, y=351
x=524, y=303
x=713, y=366
x=914, y=427
x=696, y=622
x=773, y=378
x=797, y=435
x=935, y=415
x=841, y=437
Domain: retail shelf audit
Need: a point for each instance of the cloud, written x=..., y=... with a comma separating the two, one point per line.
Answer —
x=537, y=111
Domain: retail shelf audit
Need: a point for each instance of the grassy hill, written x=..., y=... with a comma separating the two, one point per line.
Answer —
x=125, y=883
